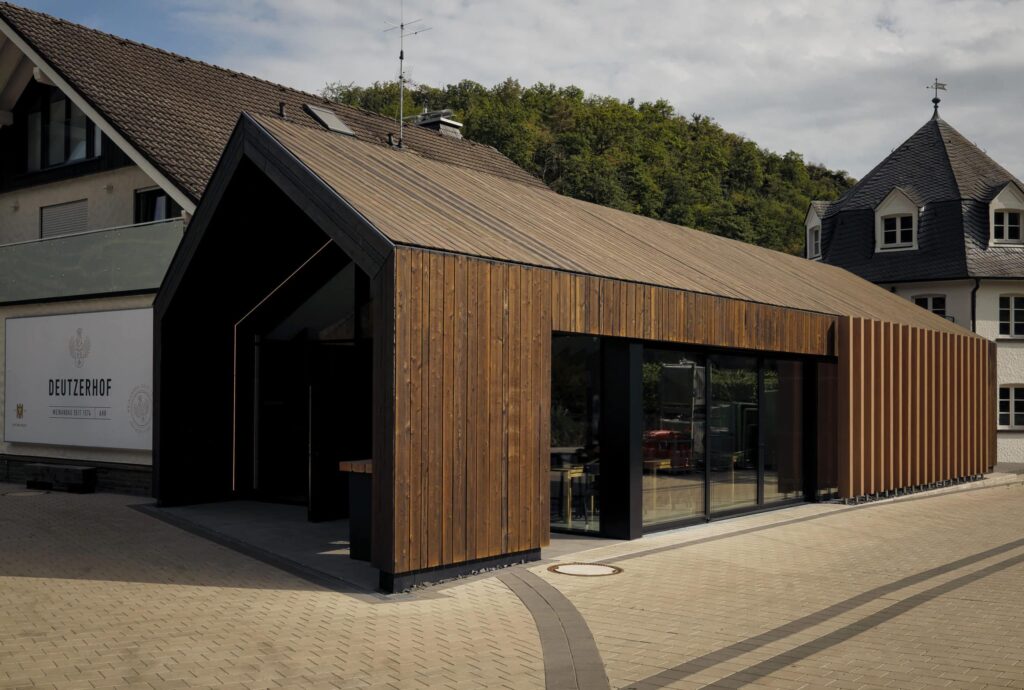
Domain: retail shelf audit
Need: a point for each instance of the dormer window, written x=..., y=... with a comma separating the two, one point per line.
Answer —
x=812, y=228
x=897, y=231
x=1004, y=215
x=896, y=222
x=814, y=242
x=1006, y=227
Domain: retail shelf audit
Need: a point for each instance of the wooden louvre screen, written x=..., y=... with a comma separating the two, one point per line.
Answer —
x=915, y=406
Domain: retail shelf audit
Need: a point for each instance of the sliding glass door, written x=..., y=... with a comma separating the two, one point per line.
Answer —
x=733, y=433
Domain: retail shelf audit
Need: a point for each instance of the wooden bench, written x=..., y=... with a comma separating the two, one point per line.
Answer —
x=360, y=506
x=73, y=478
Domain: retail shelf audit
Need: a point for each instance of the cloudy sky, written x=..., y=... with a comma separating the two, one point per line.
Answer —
x=842, y=82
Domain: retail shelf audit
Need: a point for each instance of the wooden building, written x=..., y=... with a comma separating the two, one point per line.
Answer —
x=505, y=361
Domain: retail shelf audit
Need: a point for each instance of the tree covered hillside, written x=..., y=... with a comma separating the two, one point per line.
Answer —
x=644, y=158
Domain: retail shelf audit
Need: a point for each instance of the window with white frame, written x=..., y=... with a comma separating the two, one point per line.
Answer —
x=1011, y=407
x=1005, y=212
x=1006, y=226
x=896, y=222
x=897, y=231
x=1011, y=316
x=936, y=304
x=814, y=242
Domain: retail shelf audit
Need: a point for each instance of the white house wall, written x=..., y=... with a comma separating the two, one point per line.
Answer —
x=111, y=198
x=1010, y=357
x=67, y=452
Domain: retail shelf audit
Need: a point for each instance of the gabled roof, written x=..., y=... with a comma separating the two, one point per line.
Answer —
x=179, y=112
x=820, y=208
x=407, y=199
x=952, y=181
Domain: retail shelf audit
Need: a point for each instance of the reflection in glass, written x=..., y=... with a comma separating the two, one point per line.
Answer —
x=575, y=424
x=55, y=150
x=733, y=433
x=783, y=430
x=76, y=133
x=673, y=436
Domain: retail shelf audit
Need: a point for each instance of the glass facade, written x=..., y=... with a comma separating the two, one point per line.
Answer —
x=675, y=422
x=733, y=433
x=703, y=434
x=575, y=433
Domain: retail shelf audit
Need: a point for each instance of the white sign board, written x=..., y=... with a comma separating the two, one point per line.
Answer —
x=80, y=380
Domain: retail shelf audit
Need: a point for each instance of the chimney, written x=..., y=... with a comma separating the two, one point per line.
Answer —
x=439, y=121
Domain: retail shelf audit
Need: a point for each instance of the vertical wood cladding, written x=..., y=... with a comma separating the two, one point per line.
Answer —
x=915, y=406
x=466, y=473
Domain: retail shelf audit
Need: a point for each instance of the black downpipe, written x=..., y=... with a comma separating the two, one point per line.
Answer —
x=974, y=305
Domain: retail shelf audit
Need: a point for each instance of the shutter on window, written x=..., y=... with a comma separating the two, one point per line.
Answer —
x=64, y=219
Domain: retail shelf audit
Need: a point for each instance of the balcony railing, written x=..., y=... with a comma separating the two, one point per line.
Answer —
x=125, y=259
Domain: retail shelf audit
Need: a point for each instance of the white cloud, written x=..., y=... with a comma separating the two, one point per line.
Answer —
x=841, y=82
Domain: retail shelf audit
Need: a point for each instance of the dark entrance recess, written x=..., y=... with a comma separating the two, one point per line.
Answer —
x=266, y=364
x=307, y=347
x=650, y=436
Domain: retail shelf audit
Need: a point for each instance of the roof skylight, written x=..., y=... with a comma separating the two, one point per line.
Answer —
x=329, y=119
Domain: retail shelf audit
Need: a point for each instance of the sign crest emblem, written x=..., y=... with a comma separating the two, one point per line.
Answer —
x=140, y=408
x=78, y=348
x=19, y=411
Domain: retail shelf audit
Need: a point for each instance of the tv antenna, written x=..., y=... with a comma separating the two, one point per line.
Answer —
x=405, y=30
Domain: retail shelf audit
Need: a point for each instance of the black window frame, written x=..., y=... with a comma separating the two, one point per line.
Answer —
x=44, y=105
x=174, y=210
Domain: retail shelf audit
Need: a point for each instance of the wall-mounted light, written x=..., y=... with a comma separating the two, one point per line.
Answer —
x=109, y=188
x=15, y=206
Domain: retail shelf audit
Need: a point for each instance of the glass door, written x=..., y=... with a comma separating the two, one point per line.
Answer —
x=734, y=457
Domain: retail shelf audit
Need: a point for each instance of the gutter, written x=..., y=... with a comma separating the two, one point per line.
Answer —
x=974, y=305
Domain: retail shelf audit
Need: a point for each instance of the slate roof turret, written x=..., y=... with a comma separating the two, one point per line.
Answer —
x=952, y=181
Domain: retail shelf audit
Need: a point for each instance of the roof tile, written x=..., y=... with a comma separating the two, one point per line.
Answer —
x=180, y=112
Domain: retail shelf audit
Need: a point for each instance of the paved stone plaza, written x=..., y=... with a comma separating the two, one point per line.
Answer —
x=925, y=591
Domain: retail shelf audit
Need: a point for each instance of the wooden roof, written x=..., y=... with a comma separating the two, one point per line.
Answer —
x=420, y=202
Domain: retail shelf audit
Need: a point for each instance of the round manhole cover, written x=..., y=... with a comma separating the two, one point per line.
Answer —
x=585, y=569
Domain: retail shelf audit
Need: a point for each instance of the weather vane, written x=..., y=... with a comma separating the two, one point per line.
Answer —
x=936, y=87
x=405, y=30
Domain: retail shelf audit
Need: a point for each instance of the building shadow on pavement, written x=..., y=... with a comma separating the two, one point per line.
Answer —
x=117, y=538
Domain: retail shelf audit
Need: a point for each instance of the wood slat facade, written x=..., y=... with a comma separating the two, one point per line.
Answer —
x=471, y=355
x=916, y=407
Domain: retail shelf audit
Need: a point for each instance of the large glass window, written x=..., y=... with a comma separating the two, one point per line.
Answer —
x=783, y=418
x=673, y=436
x=733, y=431
x=58, y=132
x=575, y=427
